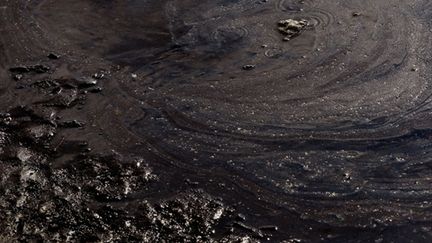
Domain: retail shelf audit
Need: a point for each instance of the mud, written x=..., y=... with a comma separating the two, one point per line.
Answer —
x=194, y=121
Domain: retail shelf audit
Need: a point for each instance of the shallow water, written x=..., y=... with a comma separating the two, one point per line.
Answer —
x=326, y=136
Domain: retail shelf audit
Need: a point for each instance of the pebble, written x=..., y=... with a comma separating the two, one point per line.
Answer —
x=248, y=67
x=53, y=56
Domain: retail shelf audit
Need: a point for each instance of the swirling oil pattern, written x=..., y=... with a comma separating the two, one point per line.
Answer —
x=326, y=135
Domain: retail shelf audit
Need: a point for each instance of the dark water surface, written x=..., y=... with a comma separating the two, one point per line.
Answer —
x=326, y=136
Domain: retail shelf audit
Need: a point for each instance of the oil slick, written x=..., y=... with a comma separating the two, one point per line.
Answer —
x=193, y=121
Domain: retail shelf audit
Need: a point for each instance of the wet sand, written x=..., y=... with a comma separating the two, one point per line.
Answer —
x=215, y=121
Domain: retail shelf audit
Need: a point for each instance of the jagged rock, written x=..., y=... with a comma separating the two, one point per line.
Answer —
x=292, y=28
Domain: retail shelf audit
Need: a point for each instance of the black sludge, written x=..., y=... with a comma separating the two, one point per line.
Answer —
x=224, y=121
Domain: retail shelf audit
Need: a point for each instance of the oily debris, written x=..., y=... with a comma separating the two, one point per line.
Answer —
x=53, y=56
x=65, y=92
x=356, y=14
x=41, y=201
x=79, y=199
x=19, y=71
x=38, y=68
x=292, y=28
x=248, y=67
x=77, y=202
